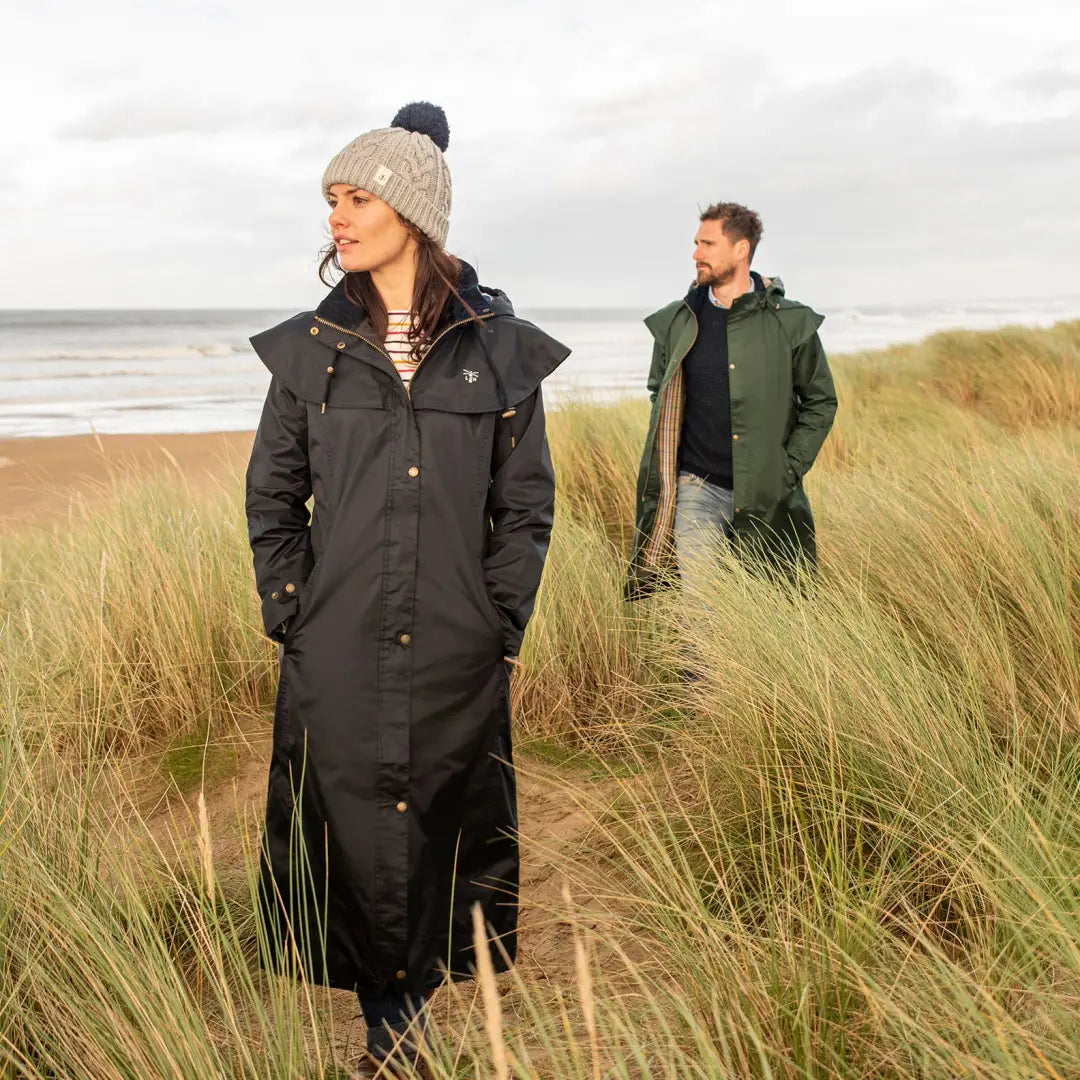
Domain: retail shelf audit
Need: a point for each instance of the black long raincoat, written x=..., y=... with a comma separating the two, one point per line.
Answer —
x=391, y=802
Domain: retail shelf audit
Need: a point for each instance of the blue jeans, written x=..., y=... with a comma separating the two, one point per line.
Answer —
x=703, y=514
x=399, y=1013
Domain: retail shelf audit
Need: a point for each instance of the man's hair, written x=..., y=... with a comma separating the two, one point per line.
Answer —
x=740, y=222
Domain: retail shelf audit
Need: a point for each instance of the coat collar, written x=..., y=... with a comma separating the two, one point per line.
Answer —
x=697, y=297
x=338, y=308
x=518, y=354
x=765, y=289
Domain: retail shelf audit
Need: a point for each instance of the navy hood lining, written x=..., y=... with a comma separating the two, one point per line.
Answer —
x=337, y=308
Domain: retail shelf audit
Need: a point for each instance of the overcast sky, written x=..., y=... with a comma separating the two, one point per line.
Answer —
x=160, y=154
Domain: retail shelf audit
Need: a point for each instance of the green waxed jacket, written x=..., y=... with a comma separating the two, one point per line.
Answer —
x=782, y=407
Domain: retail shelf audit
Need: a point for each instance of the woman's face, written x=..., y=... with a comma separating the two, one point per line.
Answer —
x=368, y=234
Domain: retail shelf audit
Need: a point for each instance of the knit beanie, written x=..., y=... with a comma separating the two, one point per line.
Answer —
x=404, y=165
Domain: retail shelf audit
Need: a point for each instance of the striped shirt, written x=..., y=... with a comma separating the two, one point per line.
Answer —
x=398, y=345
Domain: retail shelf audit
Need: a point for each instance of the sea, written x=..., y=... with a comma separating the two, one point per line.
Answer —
x=127, y=372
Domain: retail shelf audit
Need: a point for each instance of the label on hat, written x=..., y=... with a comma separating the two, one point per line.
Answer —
x=382, y=174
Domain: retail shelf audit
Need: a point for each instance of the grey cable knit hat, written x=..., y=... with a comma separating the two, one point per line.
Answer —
x=404, y=165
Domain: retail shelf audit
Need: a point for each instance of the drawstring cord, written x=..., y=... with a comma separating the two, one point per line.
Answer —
x=326, y=388
x=508, y=410
x=329, y=377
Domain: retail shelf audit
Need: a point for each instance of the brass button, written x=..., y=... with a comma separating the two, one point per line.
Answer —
x=314, y=331
x=738, y=509
x=732, y=366
x=734, y=436
x=274, y=595
x=414, y=471
x=401, y=808
x=405, y=639
x=341, y=344
x=330, y=370
x=401, y=975
x=290, y=588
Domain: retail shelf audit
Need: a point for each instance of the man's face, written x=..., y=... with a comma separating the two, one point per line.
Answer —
x=717, y=259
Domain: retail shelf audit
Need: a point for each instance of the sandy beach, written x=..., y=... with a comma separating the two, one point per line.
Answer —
x=39, y=478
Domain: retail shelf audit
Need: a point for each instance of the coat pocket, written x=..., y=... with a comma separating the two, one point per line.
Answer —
x=791, y=475
x=488, y=607
x=303, y=603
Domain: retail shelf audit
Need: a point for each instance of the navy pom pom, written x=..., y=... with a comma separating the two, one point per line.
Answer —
x=425, y=118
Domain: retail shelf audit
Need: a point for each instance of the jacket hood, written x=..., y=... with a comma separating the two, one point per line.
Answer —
x=482, y=299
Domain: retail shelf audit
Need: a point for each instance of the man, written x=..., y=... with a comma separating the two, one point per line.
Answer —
x=742, y=401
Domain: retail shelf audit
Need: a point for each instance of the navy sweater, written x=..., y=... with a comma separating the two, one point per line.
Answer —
x=705, y=442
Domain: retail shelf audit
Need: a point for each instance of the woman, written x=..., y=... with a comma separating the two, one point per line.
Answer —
x=408, y=404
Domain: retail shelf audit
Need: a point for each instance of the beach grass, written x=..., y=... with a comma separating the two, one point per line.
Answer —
x=848, y=849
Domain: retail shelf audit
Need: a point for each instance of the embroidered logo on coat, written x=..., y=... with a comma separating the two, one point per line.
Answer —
x=470, y=376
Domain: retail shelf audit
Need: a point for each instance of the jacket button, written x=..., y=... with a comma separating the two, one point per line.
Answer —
x=738, y=509
x=314, y=331
x=732, y=366
x=341, y=344
x=414, y=471
x=735, y=436
x=290, y=588
x=401, y=975
x=401, y=808
x=330, y=370
x=274, y=595
x=405, y=639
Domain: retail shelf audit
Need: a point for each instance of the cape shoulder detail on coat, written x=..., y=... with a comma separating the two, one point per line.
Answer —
x=471, y=374
x=799, y=321
x=289, y=354
x=521, y=353
x=660, y=322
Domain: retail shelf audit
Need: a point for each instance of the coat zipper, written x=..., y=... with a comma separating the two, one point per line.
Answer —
x=379, y=349
x=354, y=333
x=453, y=326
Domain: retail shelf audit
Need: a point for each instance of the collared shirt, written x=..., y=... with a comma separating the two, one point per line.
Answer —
x=753, y=288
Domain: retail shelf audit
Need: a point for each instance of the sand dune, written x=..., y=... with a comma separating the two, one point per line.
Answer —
x=40, y=478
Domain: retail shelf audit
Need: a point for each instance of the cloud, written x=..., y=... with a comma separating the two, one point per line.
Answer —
x=1045, y=82
x=871, y=186
x=142, y=115
x=583, y=141
x=135, y=117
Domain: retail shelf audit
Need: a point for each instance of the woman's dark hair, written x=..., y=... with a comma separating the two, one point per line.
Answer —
x=437, y=274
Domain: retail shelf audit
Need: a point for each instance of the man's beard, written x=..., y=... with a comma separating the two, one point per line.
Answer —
x=715, y=278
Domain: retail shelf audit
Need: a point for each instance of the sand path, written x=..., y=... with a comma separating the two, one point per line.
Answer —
x=555, y=834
